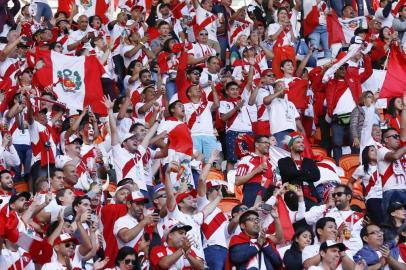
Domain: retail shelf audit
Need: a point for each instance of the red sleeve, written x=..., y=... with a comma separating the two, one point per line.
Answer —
x=182, y=83
x=329, y=97
x=157, y=253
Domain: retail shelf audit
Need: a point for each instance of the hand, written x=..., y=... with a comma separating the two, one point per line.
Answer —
x=108, y=103
x=186, y=245
x=299, y=192
x=92, y=117
x=251, y=61
x=261, y=168
x=172, y=167
x=240, y=104
x=261, y=238
x=385, y=251
x=360, y=265
x=61, y=217
x=356, y=143
x=83, y=217
x=40, y=64
x=274, y=213
x=330, y=201
x=150, y=219
x=48, y=198
x=100, y=264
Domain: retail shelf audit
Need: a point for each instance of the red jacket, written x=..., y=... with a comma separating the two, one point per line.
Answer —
x=319, y=90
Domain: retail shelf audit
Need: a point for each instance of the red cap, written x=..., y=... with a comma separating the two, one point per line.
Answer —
x=138, y=7
x=184, y=195
x=266, y=71
x=64, y=238
x=136, y=196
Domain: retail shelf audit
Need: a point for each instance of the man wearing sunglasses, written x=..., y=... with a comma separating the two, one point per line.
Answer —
x=349, y=222
x=65, y=249
x=390, y=166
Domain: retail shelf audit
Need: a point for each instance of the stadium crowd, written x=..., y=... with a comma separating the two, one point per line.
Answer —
x=185, y=134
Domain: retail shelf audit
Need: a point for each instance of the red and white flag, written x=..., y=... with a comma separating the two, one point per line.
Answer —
x=94, y=7
x=76, y=80
x=394, y=83
x=334, y=29
x=311, y=16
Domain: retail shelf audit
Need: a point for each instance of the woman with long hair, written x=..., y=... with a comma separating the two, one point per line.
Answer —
x=293, y=256
x=126, y=259
x=392, y=115
x=367, y=172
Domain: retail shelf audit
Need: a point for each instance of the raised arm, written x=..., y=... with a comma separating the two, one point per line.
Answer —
x=170, y=196
x=112, y=121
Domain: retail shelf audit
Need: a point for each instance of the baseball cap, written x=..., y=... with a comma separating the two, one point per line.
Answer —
x=266, y=71
x=330, y=243
x=180, y=197
x=73, y=138
x=15, y=197
x=136, y=196
x=156, y=189
x=192, y=68
x=64, y=238
x=61, y=160
x=127, y=136
x=395, y=206
x=173, y=225
x=215, y=183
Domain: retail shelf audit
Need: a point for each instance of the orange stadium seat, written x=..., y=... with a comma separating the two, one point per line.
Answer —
x=227, y=204
x=348, y=162
x=319, y=151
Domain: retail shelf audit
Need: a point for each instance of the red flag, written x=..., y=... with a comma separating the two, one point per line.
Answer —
x=79, y=78
x=394, y=84
x=311, y=16
x=334, y=29
x=395, y=11
x=101, y=10
x=284, y=219
x=297, y=93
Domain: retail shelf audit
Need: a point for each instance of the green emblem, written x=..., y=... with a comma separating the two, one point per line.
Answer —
x=71, y=81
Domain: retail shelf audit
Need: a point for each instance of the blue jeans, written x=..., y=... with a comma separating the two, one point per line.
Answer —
x=302, y=49
x=170, y=89
x=231, y=138
x=250, y=192
x=390, y=196
x=339, y=131
x=223, y=41
x=43, y=10
x=320, y=35
x=215, y=257
x=24, y=152
x=204, y=144
x=338, y=5
x=280, y=136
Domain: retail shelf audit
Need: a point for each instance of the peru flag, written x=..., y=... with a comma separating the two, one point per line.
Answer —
x=334, y=29
x=75, y=80
x=394, y=83
x=311, y=16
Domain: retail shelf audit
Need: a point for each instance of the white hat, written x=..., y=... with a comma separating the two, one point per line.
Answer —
x=61, y=160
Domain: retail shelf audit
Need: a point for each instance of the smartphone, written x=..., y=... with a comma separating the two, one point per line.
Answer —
x=266, y=207
x=146, y=237
x=156, y=212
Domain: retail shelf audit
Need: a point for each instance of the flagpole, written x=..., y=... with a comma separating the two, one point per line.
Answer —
x=385, y=65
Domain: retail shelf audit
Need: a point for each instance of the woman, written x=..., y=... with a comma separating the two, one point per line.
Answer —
x=371, y=180
x=236, y=49
x=362, y=118
x=398, y=252
x=381, y=46
x=392, y=116
x=293, y=256
x=126, y=259
x=396, y=216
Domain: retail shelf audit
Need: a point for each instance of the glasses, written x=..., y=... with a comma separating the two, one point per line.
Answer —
x=196, y=73
x=129, y=261
x=161, y=196
x=68, y=245
x=253, y=219
x=338, y=194
x=203, y=34
x=130, y=111
x=395, y=136
x=271, y=75
x=376, y=232
x=268, y=143
x=369, y=96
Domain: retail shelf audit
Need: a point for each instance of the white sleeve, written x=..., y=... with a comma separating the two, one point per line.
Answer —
x=308, y=252
x=314, y=214
x=202, y=202
x=300, y=213
x=11, y=157
x=382, y=153
x=224, y=107
x=118, y=225
x=359, y=172
x=34, y=132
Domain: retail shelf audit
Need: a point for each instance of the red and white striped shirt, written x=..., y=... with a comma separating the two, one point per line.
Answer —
x=392, y=173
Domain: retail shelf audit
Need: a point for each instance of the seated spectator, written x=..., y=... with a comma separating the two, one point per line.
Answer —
x=395, y=218
x=302, y=238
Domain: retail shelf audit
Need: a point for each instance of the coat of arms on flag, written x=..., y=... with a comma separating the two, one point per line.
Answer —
x=86, y=3
x=70, y=82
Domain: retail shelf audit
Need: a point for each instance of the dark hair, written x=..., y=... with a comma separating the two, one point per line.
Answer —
x=236, y=209
x=117, y=102
x=124, y=252
x=259, y=137
x=364, y=232
x=344, y=7
x=165, y=46
x=131, y=66
x=53, y=172
x=347, y=189
x=211, y=58
x=135, y=125
x=172, y=106
x=284, y=62
x=230, y=84
x=386, y=131
x=162, y=23
x=298, y=232
x=56, y=15
x=365, y=158
x=244, y=216
x=381, y=37
x=60, y=193
x=321, y=223
x=281, y=9
x=92, y=18
x=4, y=172
x=391, y=107
x=143, y=71
x=78, y=200
x=291, y=200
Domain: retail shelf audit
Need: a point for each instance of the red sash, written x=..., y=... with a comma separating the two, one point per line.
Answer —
x=353, y=218
x=231, y=120
x=63, y=39
x=197, y=112
x=117, y=43
x=215, y=223
x=177, y=9
x=39, y=148
x=402, y=251
x=238, y=30
x=261, y=110
x=20, y=264
x=130, y=164
x=388, y=173
x=205, y=23
x=371, y=182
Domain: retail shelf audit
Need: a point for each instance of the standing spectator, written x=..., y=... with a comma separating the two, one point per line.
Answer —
x=390, y=159
x=399, y=25
x=7, y=14
x=319, y=36
x=384, y=13
x=302, y=238
x=392, y=116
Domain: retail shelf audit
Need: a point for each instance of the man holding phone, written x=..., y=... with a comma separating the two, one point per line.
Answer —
x=80, y=38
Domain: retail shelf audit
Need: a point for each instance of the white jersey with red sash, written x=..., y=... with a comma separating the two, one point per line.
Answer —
x=371, y=181
x=126, y=222
x=146, y=117
x=242, y=67
x=16, y=260
x=129, y=165
x=392, y=173
x=135, y=88
x=354, y=221
x=199, y=118
x=252, y=161
x=118, y=35
x=214, y=227
x=241, y=120
x=139, y=55
x=207, y=20
x=10, y=66
x=164, y=250
x=76, y=36
x=201, y=50
x=238, y=28
x=63, y=41
x=127, y=5
x=180, y=139
x=4, y=198
x=40, y=136
x=297, y=92
x=263, y=92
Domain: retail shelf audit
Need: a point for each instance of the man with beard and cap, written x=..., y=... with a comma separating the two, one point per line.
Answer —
x=6, y=187
x=349, y=222
x=130, y=228
x=251, y=249
x=177, y=251
x=299, y=170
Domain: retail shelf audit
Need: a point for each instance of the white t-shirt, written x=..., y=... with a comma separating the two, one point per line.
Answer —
x=263, y=110
x=77, y=35
x=201, y=15
x=392, y=173
x=386, y=22
x=371, y=181
x=282, y=115
x=201, y=50
x=19, y=259
x=126, y=222
x=245, y=117
x=287, y=39
x=203, y=123
x=311, y=251
x=345, y=103
x=129, y=165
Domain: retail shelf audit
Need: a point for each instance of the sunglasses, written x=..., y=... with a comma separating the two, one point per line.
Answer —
x=338, y=194
x=203, y=34
x=270, y=75
x=161, y=196
x=196, y=73
x=395, y=136
x=129, y=261
x=68, y=245
x=130, y=111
